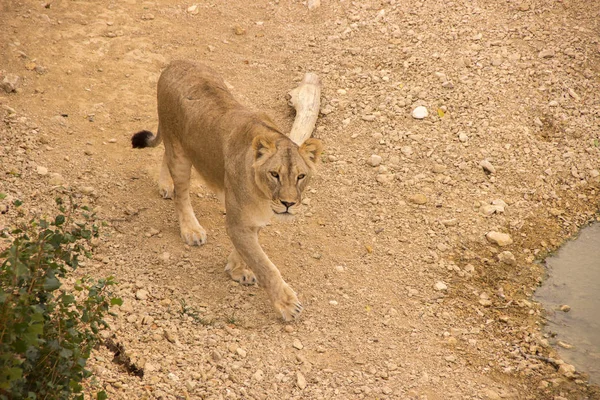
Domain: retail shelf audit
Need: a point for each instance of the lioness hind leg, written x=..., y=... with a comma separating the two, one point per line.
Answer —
x=165, y=182
x=238, y=271
x=180, y=168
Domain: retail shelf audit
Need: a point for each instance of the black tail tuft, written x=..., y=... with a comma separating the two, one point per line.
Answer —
x=140, y=139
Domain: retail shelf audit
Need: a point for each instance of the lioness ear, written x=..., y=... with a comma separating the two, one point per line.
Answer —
x=311, y=149
x=263, y=145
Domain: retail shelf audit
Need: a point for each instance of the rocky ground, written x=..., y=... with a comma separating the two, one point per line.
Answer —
x=416, y=252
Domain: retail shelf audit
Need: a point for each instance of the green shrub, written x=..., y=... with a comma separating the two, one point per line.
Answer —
x=47, y=326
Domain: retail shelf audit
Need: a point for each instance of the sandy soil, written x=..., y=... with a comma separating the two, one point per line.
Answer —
x=405, y=296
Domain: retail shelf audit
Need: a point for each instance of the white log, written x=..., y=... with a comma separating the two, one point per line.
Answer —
x=306, y=99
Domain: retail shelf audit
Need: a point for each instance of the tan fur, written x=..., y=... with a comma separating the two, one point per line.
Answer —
x=243, y=157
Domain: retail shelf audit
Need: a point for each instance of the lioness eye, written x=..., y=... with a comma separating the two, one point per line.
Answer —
x=274, y=174
x=301, y=176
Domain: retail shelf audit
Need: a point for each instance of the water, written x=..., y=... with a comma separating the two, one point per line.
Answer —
x=574, y=279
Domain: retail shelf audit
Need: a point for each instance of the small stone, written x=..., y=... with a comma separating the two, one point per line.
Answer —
x=297, y=344
x=10, y=83
x=439, y=168
x=147, y=17
x=565, y=308
x=211, y=48
x=165, y=256
x=487, y=166
x=340, y=268
x=42, y=170
x=450, y=358
x=87, y=190
x=524, y=7
x=406, y=150
x=418, y=198
x=546, y=53
x=420, y=112
x=440, y=286
x=448, y=85
x=193, y=9
x=238, y=30
x=216, y=356
x=374, y=160
x=506, y=257
x=259, y=375
x=300, y=380
x=463, y=137
x=564, y=345
x=153, y=231
x=313, y=4
x=113, y=140
x=573, y=94
x=566, y=369
x=241, y=352
x=553, y=103
x=499, y=238
x=333, y=302
x=141, y=294
x=369, y=117
x=490, y=394
x=450, y=222
x=385, y=178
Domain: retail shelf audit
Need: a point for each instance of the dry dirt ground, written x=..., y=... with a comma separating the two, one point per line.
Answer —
x=404, y=296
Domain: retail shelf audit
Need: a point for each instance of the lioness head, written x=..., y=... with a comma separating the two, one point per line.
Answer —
x=282, y=169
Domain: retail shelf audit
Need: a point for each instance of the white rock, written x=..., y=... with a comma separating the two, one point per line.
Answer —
x=297, y=344
x=141, y=294
x=313, y=4
x=463, y=137
x=374, y=160
x=507, y=257
x=440, y=286
x=333, y=302
x=420, y=112
x=42, y=170
x=499, y=238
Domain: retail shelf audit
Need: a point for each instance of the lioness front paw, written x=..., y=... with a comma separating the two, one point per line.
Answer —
x=166, y=192
x=193, y=236
x=287, y=303
x=239, y=273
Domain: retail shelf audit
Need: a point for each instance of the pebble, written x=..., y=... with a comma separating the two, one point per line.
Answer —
x=566, y=369
x=113, y=140
x=42, y=170
x=463, y=137
x=193, y=9
x=418, y=198
x=10, y=83
x=374, y=160
x=490, y=394
x=141, y=294
x=259, y=375
x=300, y=380
x=487, y=166
x=565, y=308
x=450, y=222
x=420, y=112
x=313, y=4
x=564, y=345
x=238, y=30
x=241, y=352
x=297, y=344
x=333, y=302
x=165, y=256
x=506, y=257
x=440, y=286
x=499, y=238
x=87, y=190
x=439, y=168
x=546, y=53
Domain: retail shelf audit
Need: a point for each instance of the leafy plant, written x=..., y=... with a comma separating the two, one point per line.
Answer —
x=48, y=327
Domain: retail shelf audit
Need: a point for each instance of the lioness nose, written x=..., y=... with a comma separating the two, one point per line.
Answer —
x=287, y=203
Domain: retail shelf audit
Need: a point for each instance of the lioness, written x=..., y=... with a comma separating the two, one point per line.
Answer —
x=242, y=156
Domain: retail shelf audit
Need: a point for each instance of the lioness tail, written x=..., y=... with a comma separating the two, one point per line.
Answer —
x=145, y=139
